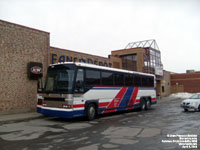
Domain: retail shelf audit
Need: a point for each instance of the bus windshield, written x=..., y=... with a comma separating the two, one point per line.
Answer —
x=59, y=79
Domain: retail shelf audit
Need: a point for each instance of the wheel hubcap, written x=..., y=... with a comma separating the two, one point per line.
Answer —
x=148, y=104
x=143, y=106
x=92, y=111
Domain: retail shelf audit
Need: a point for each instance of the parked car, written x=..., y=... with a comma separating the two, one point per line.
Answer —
x=192, y=103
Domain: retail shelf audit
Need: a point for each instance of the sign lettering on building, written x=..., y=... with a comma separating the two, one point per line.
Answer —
x=159, y=71
x=63, y=58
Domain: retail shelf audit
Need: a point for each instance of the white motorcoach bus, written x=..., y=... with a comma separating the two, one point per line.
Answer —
x=79, y=89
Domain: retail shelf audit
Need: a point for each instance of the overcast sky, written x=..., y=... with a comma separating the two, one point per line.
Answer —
x=99, y=26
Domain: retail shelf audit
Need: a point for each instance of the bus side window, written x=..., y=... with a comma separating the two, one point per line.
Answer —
x=107, y=78
x=151, y=82
x=128, y=80
x=144, y=81
x=119, y=79
x=137, y=80
x=79, y=88
x=92, y=78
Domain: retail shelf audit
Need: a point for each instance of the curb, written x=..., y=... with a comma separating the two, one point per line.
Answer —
x=20, y=117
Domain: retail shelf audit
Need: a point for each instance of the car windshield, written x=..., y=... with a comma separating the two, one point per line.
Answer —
x=196, y=96
x=59, y=79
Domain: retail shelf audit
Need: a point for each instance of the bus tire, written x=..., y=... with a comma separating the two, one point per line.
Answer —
x=142, y=104
x=147, y=104
x=91, y=112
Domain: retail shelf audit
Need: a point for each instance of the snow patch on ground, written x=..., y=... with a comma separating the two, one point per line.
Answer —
x=182, y=95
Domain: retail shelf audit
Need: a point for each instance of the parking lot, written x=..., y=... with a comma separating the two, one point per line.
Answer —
x=165, y=126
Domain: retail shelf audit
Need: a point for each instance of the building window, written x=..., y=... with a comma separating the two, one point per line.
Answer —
x=129, y=62
x=152, y=61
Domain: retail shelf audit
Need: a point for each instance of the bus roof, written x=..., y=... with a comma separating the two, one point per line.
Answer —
x=101, y=68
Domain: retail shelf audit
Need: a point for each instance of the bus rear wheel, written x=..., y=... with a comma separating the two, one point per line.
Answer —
x=142, y=104
x=91, y=112
x=145, y=104
x=148, y=104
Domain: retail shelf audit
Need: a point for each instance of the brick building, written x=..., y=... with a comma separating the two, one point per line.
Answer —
x=185, y=82
x=18, y=46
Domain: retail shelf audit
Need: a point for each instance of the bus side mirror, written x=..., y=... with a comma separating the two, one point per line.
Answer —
x=40, y=85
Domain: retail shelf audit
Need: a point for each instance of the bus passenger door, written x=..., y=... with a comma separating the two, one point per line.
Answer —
x=79, y=88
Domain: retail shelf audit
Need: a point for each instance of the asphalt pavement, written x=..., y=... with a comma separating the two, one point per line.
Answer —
x=165, y=127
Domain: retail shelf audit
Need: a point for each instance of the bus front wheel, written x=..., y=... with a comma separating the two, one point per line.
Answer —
x=91, y=112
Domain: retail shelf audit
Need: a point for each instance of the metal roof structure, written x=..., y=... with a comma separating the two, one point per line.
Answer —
x=147, y=43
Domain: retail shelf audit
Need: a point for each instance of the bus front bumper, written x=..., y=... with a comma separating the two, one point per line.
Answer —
x=59, y=112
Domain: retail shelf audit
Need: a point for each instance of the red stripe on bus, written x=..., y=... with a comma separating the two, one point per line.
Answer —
x=133, y=96
x=78, y=105
x=103, y=104
x=116, y=101
x=130, y=107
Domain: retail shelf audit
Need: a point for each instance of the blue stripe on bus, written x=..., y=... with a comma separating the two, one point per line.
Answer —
x=39, y=109
x=126, y=98
x=61, y=114
x=136, y=105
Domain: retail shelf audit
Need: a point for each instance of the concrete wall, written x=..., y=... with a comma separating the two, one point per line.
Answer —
x=18, y=46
